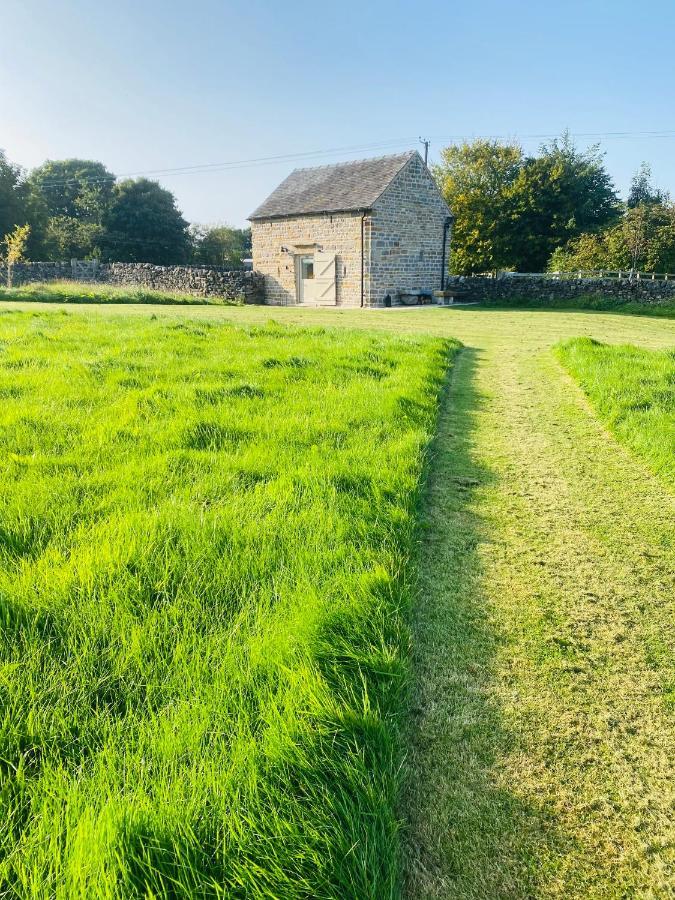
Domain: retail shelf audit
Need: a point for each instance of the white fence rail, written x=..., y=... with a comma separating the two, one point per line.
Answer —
x=626, y=274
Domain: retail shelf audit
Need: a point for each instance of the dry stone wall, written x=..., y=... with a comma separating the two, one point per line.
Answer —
x=202, y=281
x=533, y=289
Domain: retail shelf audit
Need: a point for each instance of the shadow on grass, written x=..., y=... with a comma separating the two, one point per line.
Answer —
x=468, y=834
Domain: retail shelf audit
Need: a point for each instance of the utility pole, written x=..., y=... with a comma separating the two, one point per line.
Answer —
x=425, y=141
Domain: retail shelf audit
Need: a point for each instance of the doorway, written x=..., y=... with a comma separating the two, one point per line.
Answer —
x=305, y=279
x=316, y=279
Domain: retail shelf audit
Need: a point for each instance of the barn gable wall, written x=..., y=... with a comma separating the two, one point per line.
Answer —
x=407, y=235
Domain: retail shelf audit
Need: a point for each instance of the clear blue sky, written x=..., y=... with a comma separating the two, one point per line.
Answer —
x=145, y=85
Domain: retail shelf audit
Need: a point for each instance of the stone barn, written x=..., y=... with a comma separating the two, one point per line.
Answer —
x=369, y=233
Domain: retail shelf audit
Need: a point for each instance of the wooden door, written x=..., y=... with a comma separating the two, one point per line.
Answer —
x=324, y=279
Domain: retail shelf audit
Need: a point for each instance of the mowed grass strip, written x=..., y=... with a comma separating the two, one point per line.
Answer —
x=633, y=391
x=205, y=535
x=100, y=293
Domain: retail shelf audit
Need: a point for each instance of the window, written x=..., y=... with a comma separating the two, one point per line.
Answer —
x=306, y=268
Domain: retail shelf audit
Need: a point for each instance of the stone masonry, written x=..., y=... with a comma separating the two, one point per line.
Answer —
x=339, y=233
x=202, y=281
x=540, y=290
x=406, y=236
x=391, y=245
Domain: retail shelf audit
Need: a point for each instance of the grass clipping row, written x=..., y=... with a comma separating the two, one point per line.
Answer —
x=204, y=575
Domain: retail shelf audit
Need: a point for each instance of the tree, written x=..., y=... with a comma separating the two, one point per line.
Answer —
x=559, y=195
x=13, y=195
x=643, y=240
x=588, y=252
x=69, y=200
x=477, y=181
x=66, y=238
x=143, y=224
x=642, y=191
x=219, y=245
x=15, y=245
x=512, y=212
x=77, y=188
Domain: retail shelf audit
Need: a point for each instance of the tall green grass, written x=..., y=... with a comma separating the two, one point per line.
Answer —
x=100, y=293
x=205, y=535
x=633, y=391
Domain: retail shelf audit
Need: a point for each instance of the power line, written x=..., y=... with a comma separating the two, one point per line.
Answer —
x=600, y=135
x=206, y=168
x=200, y=168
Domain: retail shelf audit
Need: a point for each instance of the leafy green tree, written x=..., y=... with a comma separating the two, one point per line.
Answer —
x=512, y=212
x=13, y=196
x=143, y=224
x=642, y=191
x=477, y=180
x=644, y=240
x=219, y=245
x=77, y=188
x=558, y=195
x=66, y=238
x=70, y=198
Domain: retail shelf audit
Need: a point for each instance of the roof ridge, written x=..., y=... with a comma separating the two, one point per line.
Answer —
x=356, y=162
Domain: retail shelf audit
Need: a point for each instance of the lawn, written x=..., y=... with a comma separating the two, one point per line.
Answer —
x=607, y=303
x=539, y=720
x=205, y=577
x=98, y=293
x=633, y=391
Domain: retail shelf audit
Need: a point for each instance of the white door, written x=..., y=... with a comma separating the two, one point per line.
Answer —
x=316, y=279
x=324, y=279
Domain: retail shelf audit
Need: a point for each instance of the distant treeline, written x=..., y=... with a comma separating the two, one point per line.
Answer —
x=77, y=209
x=557, y=211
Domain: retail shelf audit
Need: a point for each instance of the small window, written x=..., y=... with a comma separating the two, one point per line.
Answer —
x=307, y=269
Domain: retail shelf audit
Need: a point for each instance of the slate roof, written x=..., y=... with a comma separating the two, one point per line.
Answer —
x=328, y=189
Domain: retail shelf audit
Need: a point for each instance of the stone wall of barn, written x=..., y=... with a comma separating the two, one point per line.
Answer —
x=276, y=243
x=406, y=236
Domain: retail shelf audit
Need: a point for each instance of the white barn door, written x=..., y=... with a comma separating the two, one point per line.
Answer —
x=323, y=289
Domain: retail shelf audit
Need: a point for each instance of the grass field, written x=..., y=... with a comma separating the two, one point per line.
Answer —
x=106, y=294
x=541, y=707
x=80, y=292
x=662, y=308
x=204, y=583
x=633, y=391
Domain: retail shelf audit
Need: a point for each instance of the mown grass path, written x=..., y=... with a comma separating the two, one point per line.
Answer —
x=542, y=742
x=542, y=712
